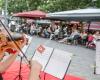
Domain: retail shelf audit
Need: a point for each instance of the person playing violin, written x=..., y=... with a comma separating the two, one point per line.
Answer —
x=13, y=53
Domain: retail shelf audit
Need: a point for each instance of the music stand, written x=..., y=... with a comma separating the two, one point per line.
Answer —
x=57, y=59
x=19, y=75
x=59, y=62
x=66, y=71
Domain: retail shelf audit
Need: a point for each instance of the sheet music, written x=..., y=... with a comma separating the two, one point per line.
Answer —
x=58, y=63
x=42, y=58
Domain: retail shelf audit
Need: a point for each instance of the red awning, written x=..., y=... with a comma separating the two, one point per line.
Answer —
x=31, y=14
x=93, y=26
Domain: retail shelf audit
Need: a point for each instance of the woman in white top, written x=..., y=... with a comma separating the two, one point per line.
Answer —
x=96, y=36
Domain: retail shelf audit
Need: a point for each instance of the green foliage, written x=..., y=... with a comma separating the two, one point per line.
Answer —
x=0, y=4
x=47, y=5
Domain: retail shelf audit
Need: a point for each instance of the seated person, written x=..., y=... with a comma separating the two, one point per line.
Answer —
x=71, y=37
x=92, y=44
x=96, y=36
x=55, y=34
x=46, y=33
x=90, y=39
x=84, y=37
x=76, y=39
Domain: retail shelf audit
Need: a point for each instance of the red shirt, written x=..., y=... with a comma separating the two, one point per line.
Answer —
x=90, y=38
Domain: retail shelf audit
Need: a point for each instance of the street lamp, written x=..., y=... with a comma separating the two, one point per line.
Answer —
x=6, y=11
x=6, y=6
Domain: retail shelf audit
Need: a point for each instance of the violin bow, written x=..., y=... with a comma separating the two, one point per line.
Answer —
x=15, y=42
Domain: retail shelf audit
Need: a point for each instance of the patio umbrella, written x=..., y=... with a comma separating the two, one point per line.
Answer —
x=88, y=14
x=31, y=14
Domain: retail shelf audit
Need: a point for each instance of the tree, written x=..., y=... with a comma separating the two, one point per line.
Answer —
x=0, y=4
x=48, y=5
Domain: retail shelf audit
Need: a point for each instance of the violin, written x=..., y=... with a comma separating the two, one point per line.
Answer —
x=10, y=42
x=7, y=45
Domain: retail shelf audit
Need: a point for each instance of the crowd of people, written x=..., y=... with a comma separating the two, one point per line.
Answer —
x=83, y=38
x=63, y=33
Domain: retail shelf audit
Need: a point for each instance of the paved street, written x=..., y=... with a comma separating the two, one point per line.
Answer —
x=82, y=61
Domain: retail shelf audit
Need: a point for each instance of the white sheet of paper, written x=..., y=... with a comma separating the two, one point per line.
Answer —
x=42, y=58
x=58, y=63
x=98, y=57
